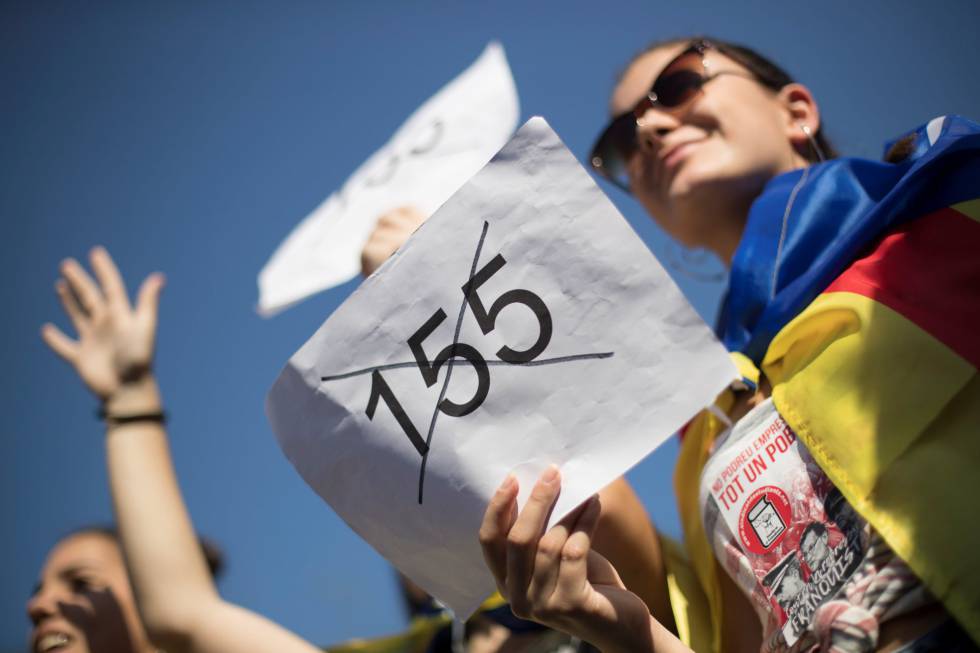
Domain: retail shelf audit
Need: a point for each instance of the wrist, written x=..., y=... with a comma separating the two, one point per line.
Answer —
x=638, y=631
x=616, y=631
x=134, y=397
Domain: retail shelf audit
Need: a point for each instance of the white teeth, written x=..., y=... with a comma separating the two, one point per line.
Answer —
x=52, y=642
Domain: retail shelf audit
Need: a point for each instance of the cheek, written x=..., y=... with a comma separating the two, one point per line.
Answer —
x=728, y=168
x=757, y=141
x=642, y=182
x=714, y=159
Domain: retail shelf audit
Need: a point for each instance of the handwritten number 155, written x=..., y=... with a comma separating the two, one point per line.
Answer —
x=486, y=319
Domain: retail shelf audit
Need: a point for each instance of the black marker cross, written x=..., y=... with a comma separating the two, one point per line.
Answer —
x=461, y=353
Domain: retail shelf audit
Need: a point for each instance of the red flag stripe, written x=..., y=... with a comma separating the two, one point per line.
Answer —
x=928, y=270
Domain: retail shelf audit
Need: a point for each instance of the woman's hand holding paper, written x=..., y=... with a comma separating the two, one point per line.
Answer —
x=555, y=577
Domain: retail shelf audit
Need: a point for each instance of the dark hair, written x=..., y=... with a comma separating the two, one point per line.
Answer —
x=213, y=555
x=900, y=149
x=765, y=71
x=813, y=527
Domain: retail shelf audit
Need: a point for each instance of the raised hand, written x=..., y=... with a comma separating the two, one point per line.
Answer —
x=115, y=340
x=391, y=231
x=555, y=578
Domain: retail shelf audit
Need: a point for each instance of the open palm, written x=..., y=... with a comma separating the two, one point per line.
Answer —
x=115, y=340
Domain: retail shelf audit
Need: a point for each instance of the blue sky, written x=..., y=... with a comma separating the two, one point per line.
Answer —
x=190, y=138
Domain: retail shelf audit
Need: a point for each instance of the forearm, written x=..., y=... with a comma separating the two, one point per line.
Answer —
x=650, y=636
x=113, y=356
x=168, y=571
x=627, y=538
x=665, y=641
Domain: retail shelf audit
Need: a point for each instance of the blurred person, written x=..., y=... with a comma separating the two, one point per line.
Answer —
x=842, y=274
x=83, y=600
x=178, y=603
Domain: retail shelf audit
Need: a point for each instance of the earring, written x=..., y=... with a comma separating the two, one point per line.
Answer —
x=813, y=141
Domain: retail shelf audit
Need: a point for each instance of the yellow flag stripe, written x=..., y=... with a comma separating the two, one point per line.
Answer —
x=891, y=414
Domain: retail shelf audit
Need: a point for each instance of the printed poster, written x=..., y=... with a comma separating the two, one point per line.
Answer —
x=783, y=520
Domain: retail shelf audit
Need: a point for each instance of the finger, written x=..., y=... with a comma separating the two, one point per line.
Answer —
x=388, y=249
x=112, y=283
x=59, y=342
x=497, y=522
x=391, y=220
x=410, y=216
x=547, y=560
x=394, y=227
x=405, y=217
x=522, y=542
x=83, y=286
x=386, y=241
x=69, y=301
x=372, y=256
x=574, y=573
x=413, y=215
x=379, y=249
x=148, y=298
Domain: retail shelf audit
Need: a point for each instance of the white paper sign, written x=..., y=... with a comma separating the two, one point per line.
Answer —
x=574, y=348
x=444, y=143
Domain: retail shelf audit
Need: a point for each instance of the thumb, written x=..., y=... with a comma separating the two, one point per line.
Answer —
x=148, y=300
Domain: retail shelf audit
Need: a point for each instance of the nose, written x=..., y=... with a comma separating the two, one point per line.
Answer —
x=42, y=605
x=652, y=125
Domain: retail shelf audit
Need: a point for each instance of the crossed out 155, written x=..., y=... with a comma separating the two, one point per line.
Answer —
x=429, y=370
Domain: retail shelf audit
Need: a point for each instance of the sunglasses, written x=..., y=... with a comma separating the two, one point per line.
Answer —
x=678, y=83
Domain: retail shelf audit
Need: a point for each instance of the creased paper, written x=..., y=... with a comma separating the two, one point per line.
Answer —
x=572, y=347
x=445, y=142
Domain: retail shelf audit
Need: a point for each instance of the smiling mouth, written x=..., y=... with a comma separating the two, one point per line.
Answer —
x=676, y=155
x=52, y=642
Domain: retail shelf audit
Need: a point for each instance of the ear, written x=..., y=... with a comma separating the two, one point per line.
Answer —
x=801, y=111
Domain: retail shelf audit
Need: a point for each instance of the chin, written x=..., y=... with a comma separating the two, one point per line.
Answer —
x=703, y=172
x=715, y=186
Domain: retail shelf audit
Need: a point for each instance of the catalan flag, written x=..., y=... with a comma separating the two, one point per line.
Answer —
x=856, y=291
x=878, y=377
x=809, y=225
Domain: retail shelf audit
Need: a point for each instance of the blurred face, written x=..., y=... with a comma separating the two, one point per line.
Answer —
x=791, y=585
x=815, y=548
x=83, y=602
x=699, y=166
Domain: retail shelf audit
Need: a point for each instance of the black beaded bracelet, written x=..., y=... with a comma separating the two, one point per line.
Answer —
x=159, y=417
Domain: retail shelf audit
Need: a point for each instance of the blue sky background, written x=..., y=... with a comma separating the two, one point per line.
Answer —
x=191, y=137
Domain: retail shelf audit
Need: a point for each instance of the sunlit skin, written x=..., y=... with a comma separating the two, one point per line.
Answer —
x=699, y=167
x=83, y=602
x=391, y=231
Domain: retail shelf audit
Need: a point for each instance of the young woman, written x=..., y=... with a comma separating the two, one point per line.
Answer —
x=813, y=512
x=83, y=600
x=168, y=578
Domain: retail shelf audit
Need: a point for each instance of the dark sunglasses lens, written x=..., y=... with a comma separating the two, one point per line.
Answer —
x=676, y=88
x=614, y=148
